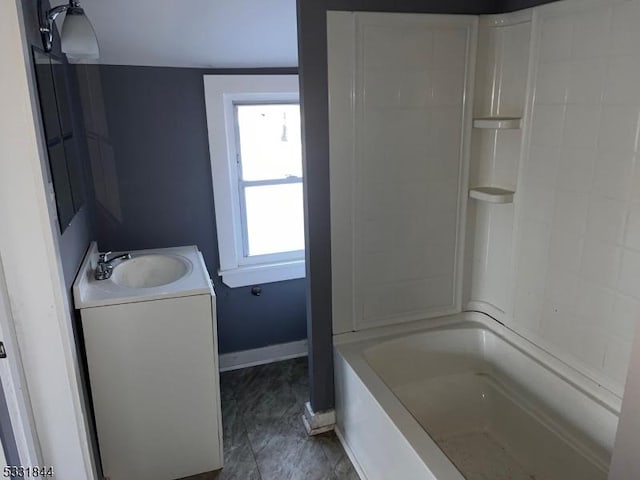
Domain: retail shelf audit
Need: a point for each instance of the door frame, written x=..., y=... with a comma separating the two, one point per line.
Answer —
x=14, y=385
x=38, y=325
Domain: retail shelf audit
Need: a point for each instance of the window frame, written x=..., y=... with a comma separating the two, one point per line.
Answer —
x=222, y=95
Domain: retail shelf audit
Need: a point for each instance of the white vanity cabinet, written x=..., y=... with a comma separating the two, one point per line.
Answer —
x=153, y=369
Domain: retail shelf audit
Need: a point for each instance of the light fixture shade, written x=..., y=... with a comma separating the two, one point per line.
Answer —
x=78, y=37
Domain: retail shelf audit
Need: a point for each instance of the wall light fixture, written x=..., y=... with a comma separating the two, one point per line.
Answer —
x=78, y=37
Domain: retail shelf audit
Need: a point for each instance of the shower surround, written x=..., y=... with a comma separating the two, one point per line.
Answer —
x=487, y=164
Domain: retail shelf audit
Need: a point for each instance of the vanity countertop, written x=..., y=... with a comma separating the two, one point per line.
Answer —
x=89, y=292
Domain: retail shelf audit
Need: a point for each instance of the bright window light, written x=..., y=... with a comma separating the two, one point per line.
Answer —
x=269, y=159
x=256, y=162
x=275, y=222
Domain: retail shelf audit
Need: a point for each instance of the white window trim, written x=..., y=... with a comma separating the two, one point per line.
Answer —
x=220, y=92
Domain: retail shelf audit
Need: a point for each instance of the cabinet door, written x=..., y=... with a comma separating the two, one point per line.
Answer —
x=154, y=383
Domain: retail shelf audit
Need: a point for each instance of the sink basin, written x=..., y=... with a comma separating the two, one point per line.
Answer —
x=151, y=270
x=154, y=274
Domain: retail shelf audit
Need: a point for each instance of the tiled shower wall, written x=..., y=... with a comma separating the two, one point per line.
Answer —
x=500, y=91
x=561, y=265
x=398, y=139
x=577, y=229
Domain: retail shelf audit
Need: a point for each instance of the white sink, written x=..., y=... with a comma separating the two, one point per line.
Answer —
x=149, y=275
x=150, y=270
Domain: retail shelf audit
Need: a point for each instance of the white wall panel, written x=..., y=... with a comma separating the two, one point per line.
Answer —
x=578, y=263
x=562, y=264
x=400, y=86
x=341, y=50
x=500, y=91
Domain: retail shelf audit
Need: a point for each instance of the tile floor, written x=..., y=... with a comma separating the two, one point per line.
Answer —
x=264, y=438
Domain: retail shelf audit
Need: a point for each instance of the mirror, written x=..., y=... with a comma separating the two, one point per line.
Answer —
x=65, y=169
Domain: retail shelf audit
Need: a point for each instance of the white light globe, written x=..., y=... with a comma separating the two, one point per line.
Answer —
x=78, y=37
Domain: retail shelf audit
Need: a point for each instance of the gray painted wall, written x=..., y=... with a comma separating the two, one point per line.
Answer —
x=6, y=432
x=513, y=5
x=157, y=127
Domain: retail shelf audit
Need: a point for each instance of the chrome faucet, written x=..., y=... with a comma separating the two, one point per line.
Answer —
x=104, y=268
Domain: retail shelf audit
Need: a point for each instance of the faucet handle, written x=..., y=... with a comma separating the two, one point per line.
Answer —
x=102, y=257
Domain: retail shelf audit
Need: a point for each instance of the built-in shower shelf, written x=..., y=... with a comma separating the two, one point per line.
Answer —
x=498, y=123
x=492, y=194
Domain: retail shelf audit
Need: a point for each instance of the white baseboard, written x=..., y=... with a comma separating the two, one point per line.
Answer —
x=260, y=356
x=350, y=454
x=316, y=423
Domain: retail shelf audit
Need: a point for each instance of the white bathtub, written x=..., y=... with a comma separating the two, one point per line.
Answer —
x=466, y=398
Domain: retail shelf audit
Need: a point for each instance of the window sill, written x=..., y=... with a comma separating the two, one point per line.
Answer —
x=264, y=273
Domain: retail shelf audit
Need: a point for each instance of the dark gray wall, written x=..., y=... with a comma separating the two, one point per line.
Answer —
x=6, y=432
x=157, y=127
x=312, y=53
x=513, y=5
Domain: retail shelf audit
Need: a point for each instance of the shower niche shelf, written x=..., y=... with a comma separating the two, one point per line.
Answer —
x=498, y=123
x=494, y=195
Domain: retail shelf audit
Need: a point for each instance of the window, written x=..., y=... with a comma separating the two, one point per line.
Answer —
x=270, y=178
x=256, y=158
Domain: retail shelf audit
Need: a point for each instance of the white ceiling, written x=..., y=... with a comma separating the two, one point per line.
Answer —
x=195, y=33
